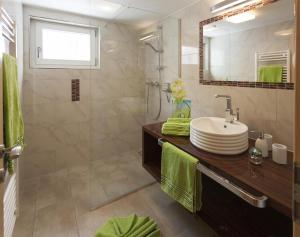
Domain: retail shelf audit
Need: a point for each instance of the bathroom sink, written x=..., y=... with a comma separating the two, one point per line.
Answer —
x=214, y=135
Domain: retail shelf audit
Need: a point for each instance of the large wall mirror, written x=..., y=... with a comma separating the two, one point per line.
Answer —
x=253, y=46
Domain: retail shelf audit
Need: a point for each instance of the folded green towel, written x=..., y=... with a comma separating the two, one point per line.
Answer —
x=13, y=119
x=174, y=133
x=176, y=126
x=176, y=129
x=131, y=226
x=179, y=120
x=270, y=73
x=179, y=177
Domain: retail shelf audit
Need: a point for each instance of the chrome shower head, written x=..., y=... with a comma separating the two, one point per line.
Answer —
x=148, y=36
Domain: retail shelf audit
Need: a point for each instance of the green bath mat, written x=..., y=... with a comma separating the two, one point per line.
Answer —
x=131, y=226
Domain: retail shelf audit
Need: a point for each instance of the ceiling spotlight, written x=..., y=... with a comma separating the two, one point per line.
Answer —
x=107, y=7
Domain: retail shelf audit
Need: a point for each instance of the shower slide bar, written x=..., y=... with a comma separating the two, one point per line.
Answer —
x=256, y=201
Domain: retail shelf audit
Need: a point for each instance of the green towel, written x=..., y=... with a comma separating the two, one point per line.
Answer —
x=270, y=73
x=179, y=120
x=176, y=129
x=13, y=119
x=177, y=125
x=131, y=226
x=179, y=177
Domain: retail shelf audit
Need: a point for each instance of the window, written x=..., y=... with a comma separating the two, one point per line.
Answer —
x=62, y=45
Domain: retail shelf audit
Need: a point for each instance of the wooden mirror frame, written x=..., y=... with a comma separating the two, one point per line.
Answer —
x=253, y=84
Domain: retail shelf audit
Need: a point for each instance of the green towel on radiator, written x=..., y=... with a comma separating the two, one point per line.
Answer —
x=270, y=73
x=13, y=119
x=180, y=178
x=131, y=226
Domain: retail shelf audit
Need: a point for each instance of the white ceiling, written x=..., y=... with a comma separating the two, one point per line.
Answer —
x=138, y=13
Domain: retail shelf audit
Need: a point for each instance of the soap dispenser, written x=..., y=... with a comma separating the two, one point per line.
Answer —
x=262, y=145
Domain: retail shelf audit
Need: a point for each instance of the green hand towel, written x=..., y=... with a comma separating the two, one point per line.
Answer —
x=176, y=129
x=13, y=119
x=131, y=226
x=179, y=177
x=179, y=120
x=177, y=126
x=270, y=73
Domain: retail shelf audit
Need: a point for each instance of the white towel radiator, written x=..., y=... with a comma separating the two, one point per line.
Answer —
x=274, y=58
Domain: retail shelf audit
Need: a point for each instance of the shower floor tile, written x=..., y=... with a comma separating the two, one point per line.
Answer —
x=61, y=219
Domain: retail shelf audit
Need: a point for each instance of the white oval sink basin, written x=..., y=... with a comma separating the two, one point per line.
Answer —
x=214, y=135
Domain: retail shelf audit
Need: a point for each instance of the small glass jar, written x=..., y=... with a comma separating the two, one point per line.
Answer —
x=255, y=156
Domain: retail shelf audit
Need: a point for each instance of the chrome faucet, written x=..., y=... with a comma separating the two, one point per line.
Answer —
x=229, y=115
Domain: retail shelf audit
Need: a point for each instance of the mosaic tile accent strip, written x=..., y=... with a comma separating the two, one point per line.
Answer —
x=75, y=90
x=265, y=85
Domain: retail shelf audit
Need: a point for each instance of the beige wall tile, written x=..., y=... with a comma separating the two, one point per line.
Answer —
x=111, y=100
x=261, y=109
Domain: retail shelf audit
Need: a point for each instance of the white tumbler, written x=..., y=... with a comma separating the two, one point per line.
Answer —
x=279, y=153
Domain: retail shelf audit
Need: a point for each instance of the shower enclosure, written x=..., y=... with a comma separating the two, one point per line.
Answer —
x=161, y=45
x=157, y=38
x=83, y=126
x=117, y=114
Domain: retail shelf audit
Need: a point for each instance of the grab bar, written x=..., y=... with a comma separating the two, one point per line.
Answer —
x=160, y=142
x=256, y=201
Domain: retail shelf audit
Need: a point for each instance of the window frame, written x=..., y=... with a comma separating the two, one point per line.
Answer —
x=36, y=27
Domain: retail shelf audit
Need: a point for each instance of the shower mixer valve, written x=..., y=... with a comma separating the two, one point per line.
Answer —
x=160, y=68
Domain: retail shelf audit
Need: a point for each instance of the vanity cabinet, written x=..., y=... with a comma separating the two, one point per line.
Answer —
x=228, y=214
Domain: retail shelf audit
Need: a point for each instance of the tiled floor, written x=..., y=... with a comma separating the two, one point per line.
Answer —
x=61, y=219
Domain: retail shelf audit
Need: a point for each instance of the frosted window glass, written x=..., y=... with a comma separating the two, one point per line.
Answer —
x=66, y=45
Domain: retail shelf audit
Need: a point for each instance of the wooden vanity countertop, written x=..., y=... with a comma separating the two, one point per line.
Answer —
x=270, y=179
